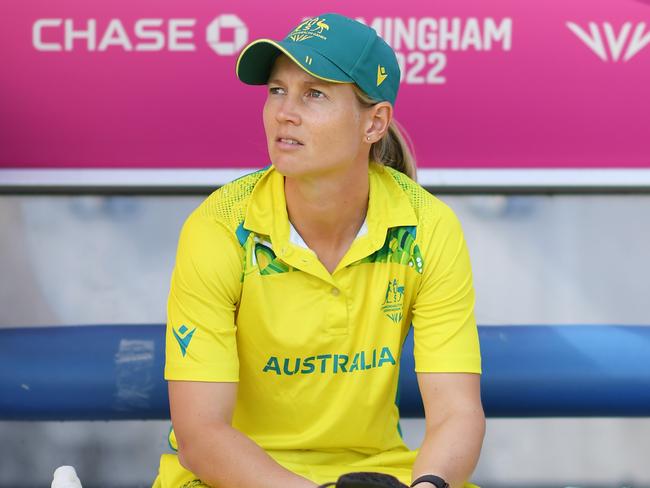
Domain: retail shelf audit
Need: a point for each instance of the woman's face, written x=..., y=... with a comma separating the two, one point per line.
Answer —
x=313, y=127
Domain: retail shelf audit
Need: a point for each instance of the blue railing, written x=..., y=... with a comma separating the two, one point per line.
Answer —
x=109, y=372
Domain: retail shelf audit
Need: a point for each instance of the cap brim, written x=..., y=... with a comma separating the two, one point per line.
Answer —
x=256, y=61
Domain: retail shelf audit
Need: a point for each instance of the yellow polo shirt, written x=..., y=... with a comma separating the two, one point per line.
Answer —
x=316, y=354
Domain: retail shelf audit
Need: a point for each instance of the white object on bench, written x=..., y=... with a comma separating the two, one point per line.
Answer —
x=65, y=477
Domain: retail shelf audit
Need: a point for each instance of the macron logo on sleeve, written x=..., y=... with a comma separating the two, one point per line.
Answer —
x=183, y=337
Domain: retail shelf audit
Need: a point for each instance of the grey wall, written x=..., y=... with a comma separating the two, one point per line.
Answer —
x=536, y=259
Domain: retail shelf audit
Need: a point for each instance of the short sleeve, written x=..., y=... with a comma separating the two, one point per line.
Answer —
x=445, y=332
x=201, y=340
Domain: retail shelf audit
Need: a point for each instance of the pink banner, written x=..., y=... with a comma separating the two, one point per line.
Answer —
x=151, y=84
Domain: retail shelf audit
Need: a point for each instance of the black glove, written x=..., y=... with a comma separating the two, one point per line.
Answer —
x=366, y=480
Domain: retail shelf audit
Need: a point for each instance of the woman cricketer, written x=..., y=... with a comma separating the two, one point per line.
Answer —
x=295, y=286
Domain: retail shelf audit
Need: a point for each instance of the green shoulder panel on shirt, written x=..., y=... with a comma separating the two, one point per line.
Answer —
x=399, y=247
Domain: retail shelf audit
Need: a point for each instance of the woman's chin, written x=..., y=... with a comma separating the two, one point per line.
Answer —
x=290, y=167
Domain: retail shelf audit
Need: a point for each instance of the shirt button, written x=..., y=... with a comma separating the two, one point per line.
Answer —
x=335, y=292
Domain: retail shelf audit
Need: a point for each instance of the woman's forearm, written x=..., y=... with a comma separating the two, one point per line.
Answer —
x=223, y=457
x=451, y=448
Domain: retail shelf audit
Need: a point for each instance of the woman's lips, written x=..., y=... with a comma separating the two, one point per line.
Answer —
x=288, y=143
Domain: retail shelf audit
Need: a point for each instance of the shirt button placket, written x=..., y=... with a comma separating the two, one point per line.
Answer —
x=337, y=313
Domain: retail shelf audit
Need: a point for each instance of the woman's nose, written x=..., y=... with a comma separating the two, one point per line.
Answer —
x=288, y=111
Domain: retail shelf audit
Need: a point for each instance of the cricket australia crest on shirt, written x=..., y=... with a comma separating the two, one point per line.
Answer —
x=394, y=301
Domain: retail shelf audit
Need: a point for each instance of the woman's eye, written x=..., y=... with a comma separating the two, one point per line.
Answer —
x=316, y=94
x=276, y=90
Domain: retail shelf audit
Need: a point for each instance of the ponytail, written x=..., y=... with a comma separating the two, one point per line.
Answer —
x=394, y=149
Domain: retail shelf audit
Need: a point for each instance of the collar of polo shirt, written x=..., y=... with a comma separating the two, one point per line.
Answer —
x=388, y=206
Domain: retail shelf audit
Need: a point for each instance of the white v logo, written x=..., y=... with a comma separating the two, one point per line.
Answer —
x=615, y=42
x=593, y=41
x=638, y=42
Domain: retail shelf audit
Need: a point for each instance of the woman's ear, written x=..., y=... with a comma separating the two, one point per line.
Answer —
x=380, y=116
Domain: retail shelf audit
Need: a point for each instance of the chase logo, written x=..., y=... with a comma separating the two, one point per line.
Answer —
x=183, y=337
x=394, y=301
x=309, y=28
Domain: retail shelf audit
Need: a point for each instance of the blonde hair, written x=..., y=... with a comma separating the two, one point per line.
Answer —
x=394, y=149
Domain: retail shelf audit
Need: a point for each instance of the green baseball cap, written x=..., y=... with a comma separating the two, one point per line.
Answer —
x=331, y=47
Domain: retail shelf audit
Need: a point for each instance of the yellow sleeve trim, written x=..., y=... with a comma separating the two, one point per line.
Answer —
x=178, y=372
x=448, y=364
